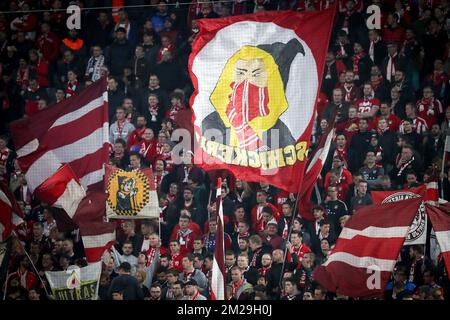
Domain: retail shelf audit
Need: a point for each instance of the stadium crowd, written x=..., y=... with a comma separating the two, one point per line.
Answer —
x=388, y=91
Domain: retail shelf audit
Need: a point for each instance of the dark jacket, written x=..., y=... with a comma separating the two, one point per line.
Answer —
x=117, y=56
x=129, y=285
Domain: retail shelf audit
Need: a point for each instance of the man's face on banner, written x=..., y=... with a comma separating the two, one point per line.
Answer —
x=254, y=71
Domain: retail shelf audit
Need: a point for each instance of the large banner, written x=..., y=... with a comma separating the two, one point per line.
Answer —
x=131, y=194
x=418, y=231
x=75, y=283
x=256, y=80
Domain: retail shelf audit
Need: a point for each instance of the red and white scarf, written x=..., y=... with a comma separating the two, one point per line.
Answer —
x=71, y=88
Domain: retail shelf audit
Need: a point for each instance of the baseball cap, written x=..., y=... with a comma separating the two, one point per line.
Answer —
x=191, y=282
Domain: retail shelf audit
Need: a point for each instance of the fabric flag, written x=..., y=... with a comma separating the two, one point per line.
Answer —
x=312, y=172
x=131, y=194
x=440, y=219
x=418, y=231
x=75, y=283
x=367, y=249
x=10, y=213
x=96, y=234
x=62, y=190
x=256, y=80
x=5, y=252
x=73, y=132
x=218, y=270
x=64, y=146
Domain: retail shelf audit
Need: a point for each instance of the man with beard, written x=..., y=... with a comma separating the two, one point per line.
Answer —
x=404, y=87
x=419, y=124
x=137, y=135
x=393, y=122
x=350, y=90
x=405, y=162
x=260, y=75
x=121, y=129
x=379, y=85
x=154, y=88
x=368, y=106
x=397, y=104
x=185, y=235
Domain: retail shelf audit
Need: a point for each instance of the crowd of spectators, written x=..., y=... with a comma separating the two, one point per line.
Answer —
x=386, y=90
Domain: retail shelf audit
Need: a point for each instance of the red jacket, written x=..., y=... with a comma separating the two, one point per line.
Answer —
x=429, y=110
x=28, y=277
x=257, y=216
x=186, y=241
x=48, y=44
x=177, y=262
x=133, y=139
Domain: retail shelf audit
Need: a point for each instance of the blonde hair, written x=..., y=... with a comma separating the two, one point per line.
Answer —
x=277, y=101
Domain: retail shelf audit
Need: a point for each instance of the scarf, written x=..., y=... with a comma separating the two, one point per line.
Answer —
x=151, y=253
x=285, y=229
x=356, y=58
x=390, y=68
x=348, y=87
x=404, y=166
x=153, y=112
x=372, y=49
x=377, y=82
x=236, y=287
x=94, y=67
x=255, y=256
x=23, y=76
x=71, y=88
x=263, y=271
x=247, y=102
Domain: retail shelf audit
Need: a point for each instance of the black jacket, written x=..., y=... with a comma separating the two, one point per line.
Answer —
x=117, y=56
x=129, y=285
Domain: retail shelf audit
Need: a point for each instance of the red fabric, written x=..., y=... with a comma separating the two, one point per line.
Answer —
x=177, y=262
x=186, y=241
x=381, y=196
x=28, y=23
x=365, y=105
x=48, y=44
x=394, y=35
x=29, y=277
x=440, y=219
x=350, y=254
x=429, y=110
x=133, y=138
x=312, y=27
x=257, y=218
x=41, y=69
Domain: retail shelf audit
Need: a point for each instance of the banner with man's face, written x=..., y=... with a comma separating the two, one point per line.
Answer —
x=256, y=80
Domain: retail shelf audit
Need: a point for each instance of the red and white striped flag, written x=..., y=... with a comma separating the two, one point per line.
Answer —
x=367, y=249
x=63, y=150
x=440, y=219
x=10, y=213
x=312, y=173
x=218, y=270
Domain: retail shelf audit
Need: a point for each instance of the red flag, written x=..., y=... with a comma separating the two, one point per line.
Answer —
x=62, y=190
x=440, y=219
x=218, y=282
x=312, y=172
x=367, y=249
x=256, y=80
x=97, y=235
x=418, y=231
x=10, y=213
x=74, y=133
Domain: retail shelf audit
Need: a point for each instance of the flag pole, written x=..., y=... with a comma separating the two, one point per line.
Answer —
x=34, y=267
x=6, y=283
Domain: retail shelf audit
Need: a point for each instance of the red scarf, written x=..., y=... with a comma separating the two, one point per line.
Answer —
x=377, y=82
x=71, y=88
x=241, y=111
x=151, y=252
x=23, y=77
x=356, y=59
x=348, y=87
x=263, y=271
x=236, y=287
